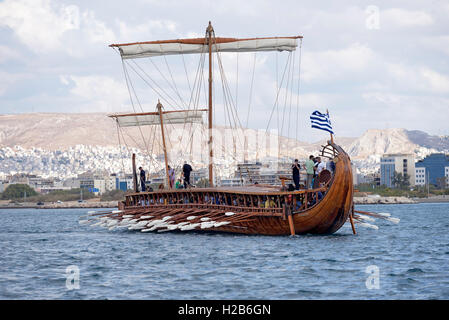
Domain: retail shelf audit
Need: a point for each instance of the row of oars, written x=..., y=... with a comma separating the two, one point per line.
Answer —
x=363, y=218
x=163, y=220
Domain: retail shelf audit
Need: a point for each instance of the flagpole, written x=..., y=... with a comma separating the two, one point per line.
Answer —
x=332, y=136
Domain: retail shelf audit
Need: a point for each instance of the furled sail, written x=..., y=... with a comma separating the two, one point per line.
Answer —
x=199, y=45
x=153, y=118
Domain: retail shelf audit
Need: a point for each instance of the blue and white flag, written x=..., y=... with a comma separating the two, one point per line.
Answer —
x=321, y=121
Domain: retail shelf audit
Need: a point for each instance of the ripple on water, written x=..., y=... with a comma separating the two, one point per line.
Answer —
x=37, y=248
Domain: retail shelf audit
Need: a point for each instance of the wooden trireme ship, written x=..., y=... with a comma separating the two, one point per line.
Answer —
x=323, y=209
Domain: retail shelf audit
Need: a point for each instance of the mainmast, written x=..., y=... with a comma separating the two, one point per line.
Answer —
x=159, y=110
x=209, y=32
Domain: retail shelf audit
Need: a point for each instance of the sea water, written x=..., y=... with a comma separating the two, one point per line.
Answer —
x=47, y=254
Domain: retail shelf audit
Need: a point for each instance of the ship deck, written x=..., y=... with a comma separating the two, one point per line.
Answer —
x=248, y=190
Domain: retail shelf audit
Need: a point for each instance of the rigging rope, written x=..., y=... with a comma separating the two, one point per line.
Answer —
x=251, y=90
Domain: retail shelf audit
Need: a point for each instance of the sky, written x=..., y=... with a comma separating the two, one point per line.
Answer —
x=372, y=64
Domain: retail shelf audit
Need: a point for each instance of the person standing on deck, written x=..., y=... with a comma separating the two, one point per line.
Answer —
x=320, y=167
x=310, y=164
x=186, y=169
x=171, y=176
x=295, y=169
x=142, y=179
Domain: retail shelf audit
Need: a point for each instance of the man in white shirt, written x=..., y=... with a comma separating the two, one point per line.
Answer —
x=321, y=166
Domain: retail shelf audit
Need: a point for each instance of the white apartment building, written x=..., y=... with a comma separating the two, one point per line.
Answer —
x=420, y=176
x=399, y=163
x=446, y=174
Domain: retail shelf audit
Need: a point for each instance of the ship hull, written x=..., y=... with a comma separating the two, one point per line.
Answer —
x=325, y=216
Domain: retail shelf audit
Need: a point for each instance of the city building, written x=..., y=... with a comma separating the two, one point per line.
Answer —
x=230, y=182
x=124, y=182
x=420, y=176
x=435, y=165
x=370, y=178
x=396, y=163
x=355, y=177
x=446, y=174
x=71, y=183
x=3, y=186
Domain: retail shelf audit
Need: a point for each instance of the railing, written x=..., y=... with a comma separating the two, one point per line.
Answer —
x=279, y=201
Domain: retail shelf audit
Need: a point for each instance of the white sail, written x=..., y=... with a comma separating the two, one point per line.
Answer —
x=132, y=120
x=152, y=49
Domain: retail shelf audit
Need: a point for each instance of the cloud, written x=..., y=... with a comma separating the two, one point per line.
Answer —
x=44, y=26
x=8, y=79
x=137, y=32
x=436, y=81
x=37, y=23
x=330, y=65
x=405, y=18
x=399, y=110
x=7, y=54
x=417, y=79
x=343, y=61
x=98, y=93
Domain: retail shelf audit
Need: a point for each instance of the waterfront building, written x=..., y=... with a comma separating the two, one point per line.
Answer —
x=435, y=165
x=124, y=182
x=3, y=185
x=446, y=174
x=399, y=163
x=420, y=176
x=355, y=177
x=230, y=182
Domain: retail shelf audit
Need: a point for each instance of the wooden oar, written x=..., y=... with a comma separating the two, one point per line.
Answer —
x=385, y=216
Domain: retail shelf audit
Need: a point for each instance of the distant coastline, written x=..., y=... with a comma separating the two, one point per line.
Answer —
x=63, y=205
x=398, y=200
x=95, y=203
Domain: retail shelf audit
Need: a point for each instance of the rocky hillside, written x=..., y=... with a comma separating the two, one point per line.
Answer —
x=45, y=143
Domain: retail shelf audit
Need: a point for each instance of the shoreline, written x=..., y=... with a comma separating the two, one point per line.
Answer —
x=114, y=204
x=64, y=205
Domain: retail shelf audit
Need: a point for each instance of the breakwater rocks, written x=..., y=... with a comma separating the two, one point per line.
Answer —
x=382, y=200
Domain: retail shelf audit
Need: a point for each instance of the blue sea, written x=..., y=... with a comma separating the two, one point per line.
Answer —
x=47, y=254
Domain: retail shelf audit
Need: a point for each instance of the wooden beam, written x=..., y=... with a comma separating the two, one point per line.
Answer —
x=209, y=31
x=200, y=40
x=152, y=113
x=134, y=172
x=159, y=108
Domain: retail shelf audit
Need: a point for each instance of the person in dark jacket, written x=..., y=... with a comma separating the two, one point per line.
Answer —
x=295, y=168
x=186, y=169
x=142, y=179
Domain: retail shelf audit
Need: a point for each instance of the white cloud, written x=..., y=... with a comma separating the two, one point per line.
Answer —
x=37, y=23
x=436, y=81
x=99, y=93
x=7, y=54
x=406, y=18
x=96, y=30
x=416, y=78
x=143, y=31
x=42, y=24
x=8, y=79
x=336, y=63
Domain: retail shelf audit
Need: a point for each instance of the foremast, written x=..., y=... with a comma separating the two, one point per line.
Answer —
x=209, y=32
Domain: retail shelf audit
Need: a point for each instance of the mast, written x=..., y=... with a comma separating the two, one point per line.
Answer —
x=159, y=109
x=209, y=32
x=134, y=173
x=332, y=136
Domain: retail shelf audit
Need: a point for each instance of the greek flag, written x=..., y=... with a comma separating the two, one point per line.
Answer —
x=321, y=121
